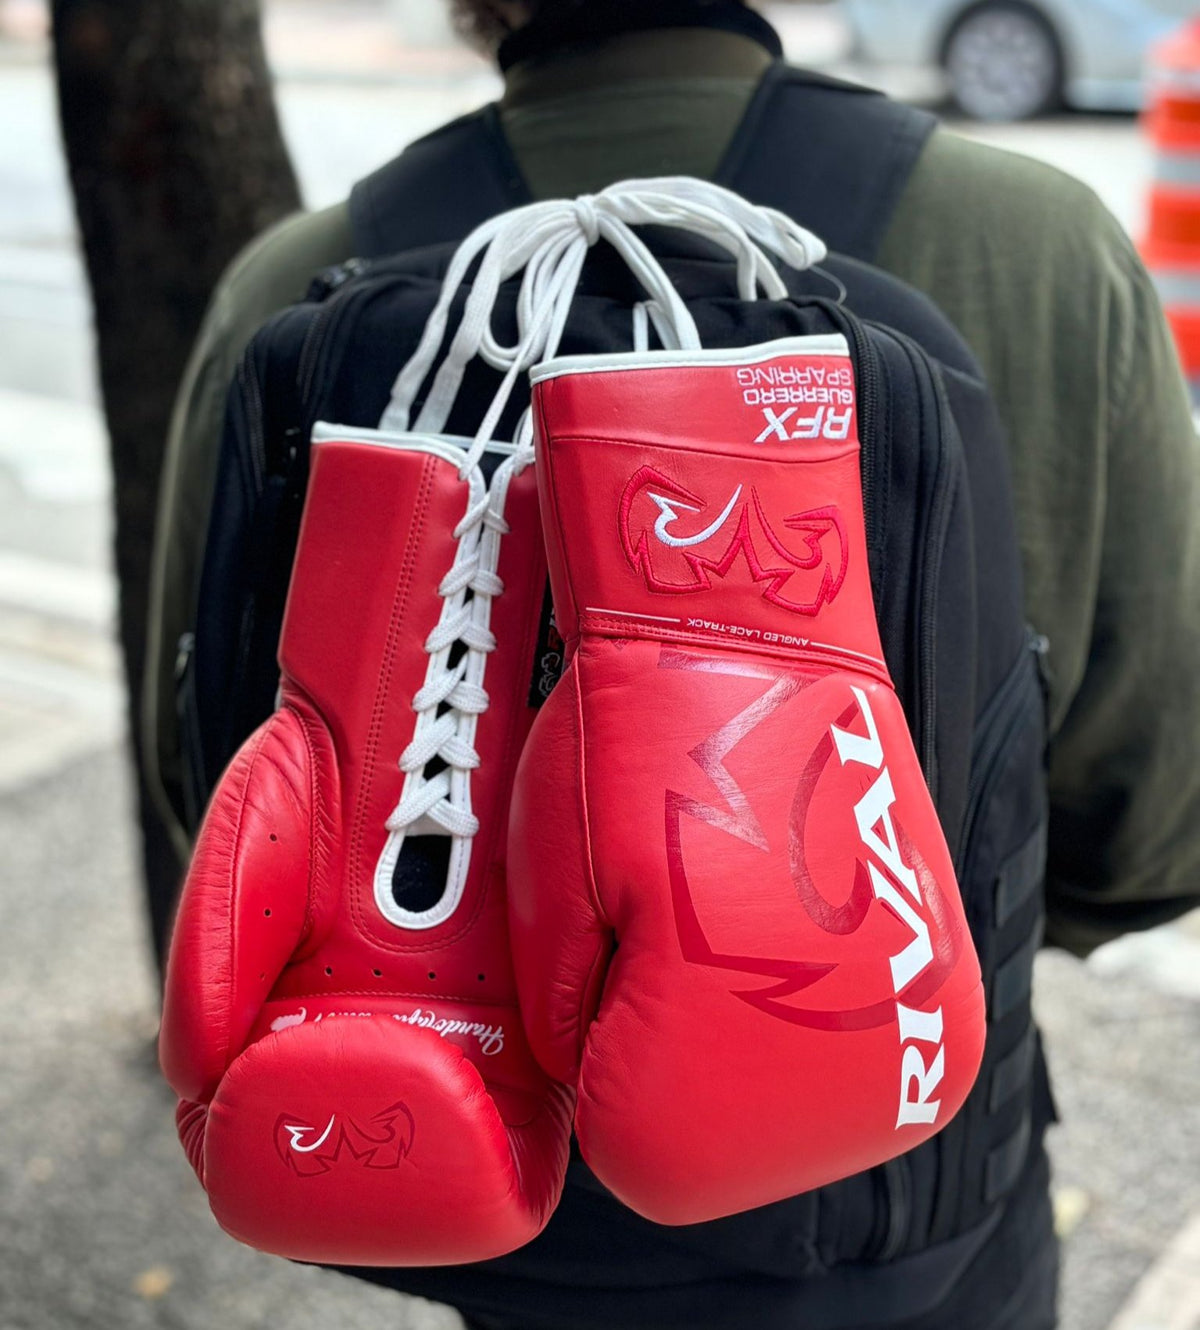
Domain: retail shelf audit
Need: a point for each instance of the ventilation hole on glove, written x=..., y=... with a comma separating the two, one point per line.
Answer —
x=274, y=836
x=377, y=973
x=329, y=969
x=481, y=977
x=419, y=878
x=433, y=974
x=266, y=914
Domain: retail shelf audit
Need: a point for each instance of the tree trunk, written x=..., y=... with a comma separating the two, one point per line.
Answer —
x=176, y=159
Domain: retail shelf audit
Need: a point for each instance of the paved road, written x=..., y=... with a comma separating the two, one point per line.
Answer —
x=101, y=1224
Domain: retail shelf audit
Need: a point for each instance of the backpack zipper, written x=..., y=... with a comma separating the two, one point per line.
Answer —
x=251, y=391
x=869, y=379
x=930, y=571
x=322, y=333
x=332, y=279
x=896, y=1172
x=896, y=1187
x=996, y=725
x=324, y=286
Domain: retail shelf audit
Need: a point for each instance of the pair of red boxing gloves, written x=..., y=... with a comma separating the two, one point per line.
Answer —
x=698, y=904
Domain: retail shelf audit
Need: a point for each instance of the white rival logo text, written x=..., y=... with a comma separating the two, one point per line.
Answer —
x=895, y=884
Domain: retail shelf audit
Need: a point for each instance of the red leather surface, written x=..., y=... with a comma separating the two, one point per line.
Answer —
x=357, y=1092
x=735, y=918
x=790, y=554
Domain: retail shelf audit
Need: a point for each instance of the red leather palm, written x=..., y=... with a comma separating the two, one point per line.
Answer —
x=735, y=919
x=354, y=1091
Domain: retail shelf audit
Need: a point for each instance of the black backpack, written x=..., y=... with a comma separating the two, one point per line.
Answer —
x=946, y=578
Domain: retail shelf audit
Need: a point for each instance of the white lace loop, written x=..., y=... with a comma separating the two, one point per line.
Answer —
x=547, y=243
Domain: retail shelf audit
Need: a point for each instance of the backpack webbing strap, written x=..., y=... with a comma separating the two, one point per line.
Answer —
x=833, y=156
x=439, y=189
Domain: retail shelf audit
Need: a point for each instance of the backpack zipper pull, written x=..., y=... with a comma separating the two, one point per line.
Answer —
x=332, y=279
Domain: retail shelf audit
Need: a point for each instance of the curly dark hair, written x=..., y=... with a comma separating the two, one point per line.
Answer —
x=481, y=22
x=486, y=23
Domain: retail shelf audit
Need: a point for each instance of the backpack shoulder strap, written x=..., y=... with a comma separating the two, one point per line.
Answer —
x=439, y=188
x=833, y=156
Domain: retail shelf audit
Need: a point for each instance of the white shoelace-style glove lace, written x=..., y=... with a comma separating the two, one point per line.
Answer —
x=448, y=706
x=549, y=242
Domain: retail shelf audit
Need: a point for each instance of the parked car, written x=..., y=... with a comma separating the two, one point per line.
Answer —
x=1011, y=59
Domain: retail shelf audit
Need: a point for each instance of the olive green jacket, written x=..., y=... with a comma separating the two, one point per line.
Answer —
x=1050, y=295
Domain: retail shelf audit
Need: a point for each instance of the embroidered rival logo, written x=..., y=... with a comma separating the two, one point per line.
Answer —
x=310, y=1149
x=668, y=537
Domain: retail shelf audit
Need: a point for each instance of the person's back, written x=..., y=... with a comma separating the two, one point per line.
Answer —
x=1054, y=304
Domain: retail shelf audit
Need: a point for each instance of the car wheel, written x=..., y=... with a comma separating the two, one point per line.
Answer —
x=1004, y=62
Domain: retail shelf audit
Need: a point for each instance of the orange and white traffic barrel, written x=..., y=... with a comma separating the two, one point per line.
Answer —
x=1171, y=247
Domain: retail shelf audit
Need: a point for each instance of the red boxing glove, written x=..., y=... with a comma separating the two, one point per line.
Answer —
x=735, y=920
x=340, y=1019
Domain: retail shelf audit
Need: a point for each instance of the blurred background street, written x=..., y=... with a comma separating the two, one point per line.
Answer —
x=102, y=1224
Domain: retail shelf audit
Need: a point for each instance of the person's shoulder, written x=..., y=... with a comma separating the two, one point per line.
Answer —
x=976, y=200
x=270, y=273
x=275, y=268
x=985, y=177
